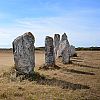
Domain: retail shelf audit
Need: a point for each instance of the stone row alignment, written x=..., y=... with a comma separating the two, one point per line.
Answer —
x=24, y=51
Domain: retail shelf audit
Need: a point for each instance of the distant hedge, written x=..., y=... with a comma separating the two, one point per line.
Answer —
x=88, y=48
x=40, y=48
x=77, y=49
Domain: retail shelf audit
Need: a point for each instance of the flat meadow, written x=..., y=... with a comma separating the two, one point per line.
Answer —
x=79, y=80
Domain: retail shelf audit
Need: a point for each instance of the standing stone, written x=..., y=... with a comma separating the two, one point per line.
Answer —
x=56, y=43
x=24, y=55
x=66, y=51
x=72, y=48
x=63, y=43
x=49, y=52
x=65, y=56
x=64, y=37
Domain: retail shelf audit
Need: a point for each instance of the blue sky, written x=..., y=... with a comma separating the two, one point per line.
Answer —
x=80, y=19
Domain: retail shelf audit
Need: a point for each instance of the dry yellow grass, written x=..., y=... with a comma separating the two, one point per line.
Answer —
x=77, y=81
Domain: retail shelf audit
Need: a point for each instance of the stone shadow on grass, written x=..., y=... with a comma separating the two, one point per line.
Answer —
x=44, y=67
x=81, y=65
x=43, y=80
x=74, y=60
x=78, y=72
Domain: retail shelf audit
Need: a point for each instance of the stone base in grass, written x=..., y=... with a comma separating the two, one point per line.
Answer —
x=47, y=67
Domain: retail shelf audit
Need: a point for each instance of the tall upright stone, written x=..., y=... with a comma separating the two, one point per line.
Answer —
x=49, y=52
x=56, y=43
x=24, y=54
x=64, y=37
x=64, y=49
x=72, y=49
x=63, y=43
x=65, y=56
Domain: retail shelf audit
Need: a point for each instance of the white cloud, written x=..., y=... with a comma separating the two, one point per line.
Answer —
x=77, y=30
x=81, y=24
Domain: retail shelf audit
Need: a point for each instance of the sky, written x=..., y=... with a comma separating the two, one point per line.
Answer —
x=79, y=19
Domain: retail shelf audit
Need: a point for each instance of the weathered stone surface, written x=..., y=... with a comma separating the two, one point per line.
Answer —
x=72, y=49
x=56, y=43
x=49, y=52
x=63, y=43
x=65, y=56
x=56, y=40
x=64, y=37
x=24, y=56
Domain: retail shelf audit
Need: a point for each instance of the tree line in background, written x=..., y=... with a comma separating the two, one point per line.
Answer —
x=88, y=48
x=77, y=49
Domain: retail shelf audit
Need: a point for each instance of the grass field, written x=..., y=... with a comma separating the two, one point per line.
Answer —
x=77, y=81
